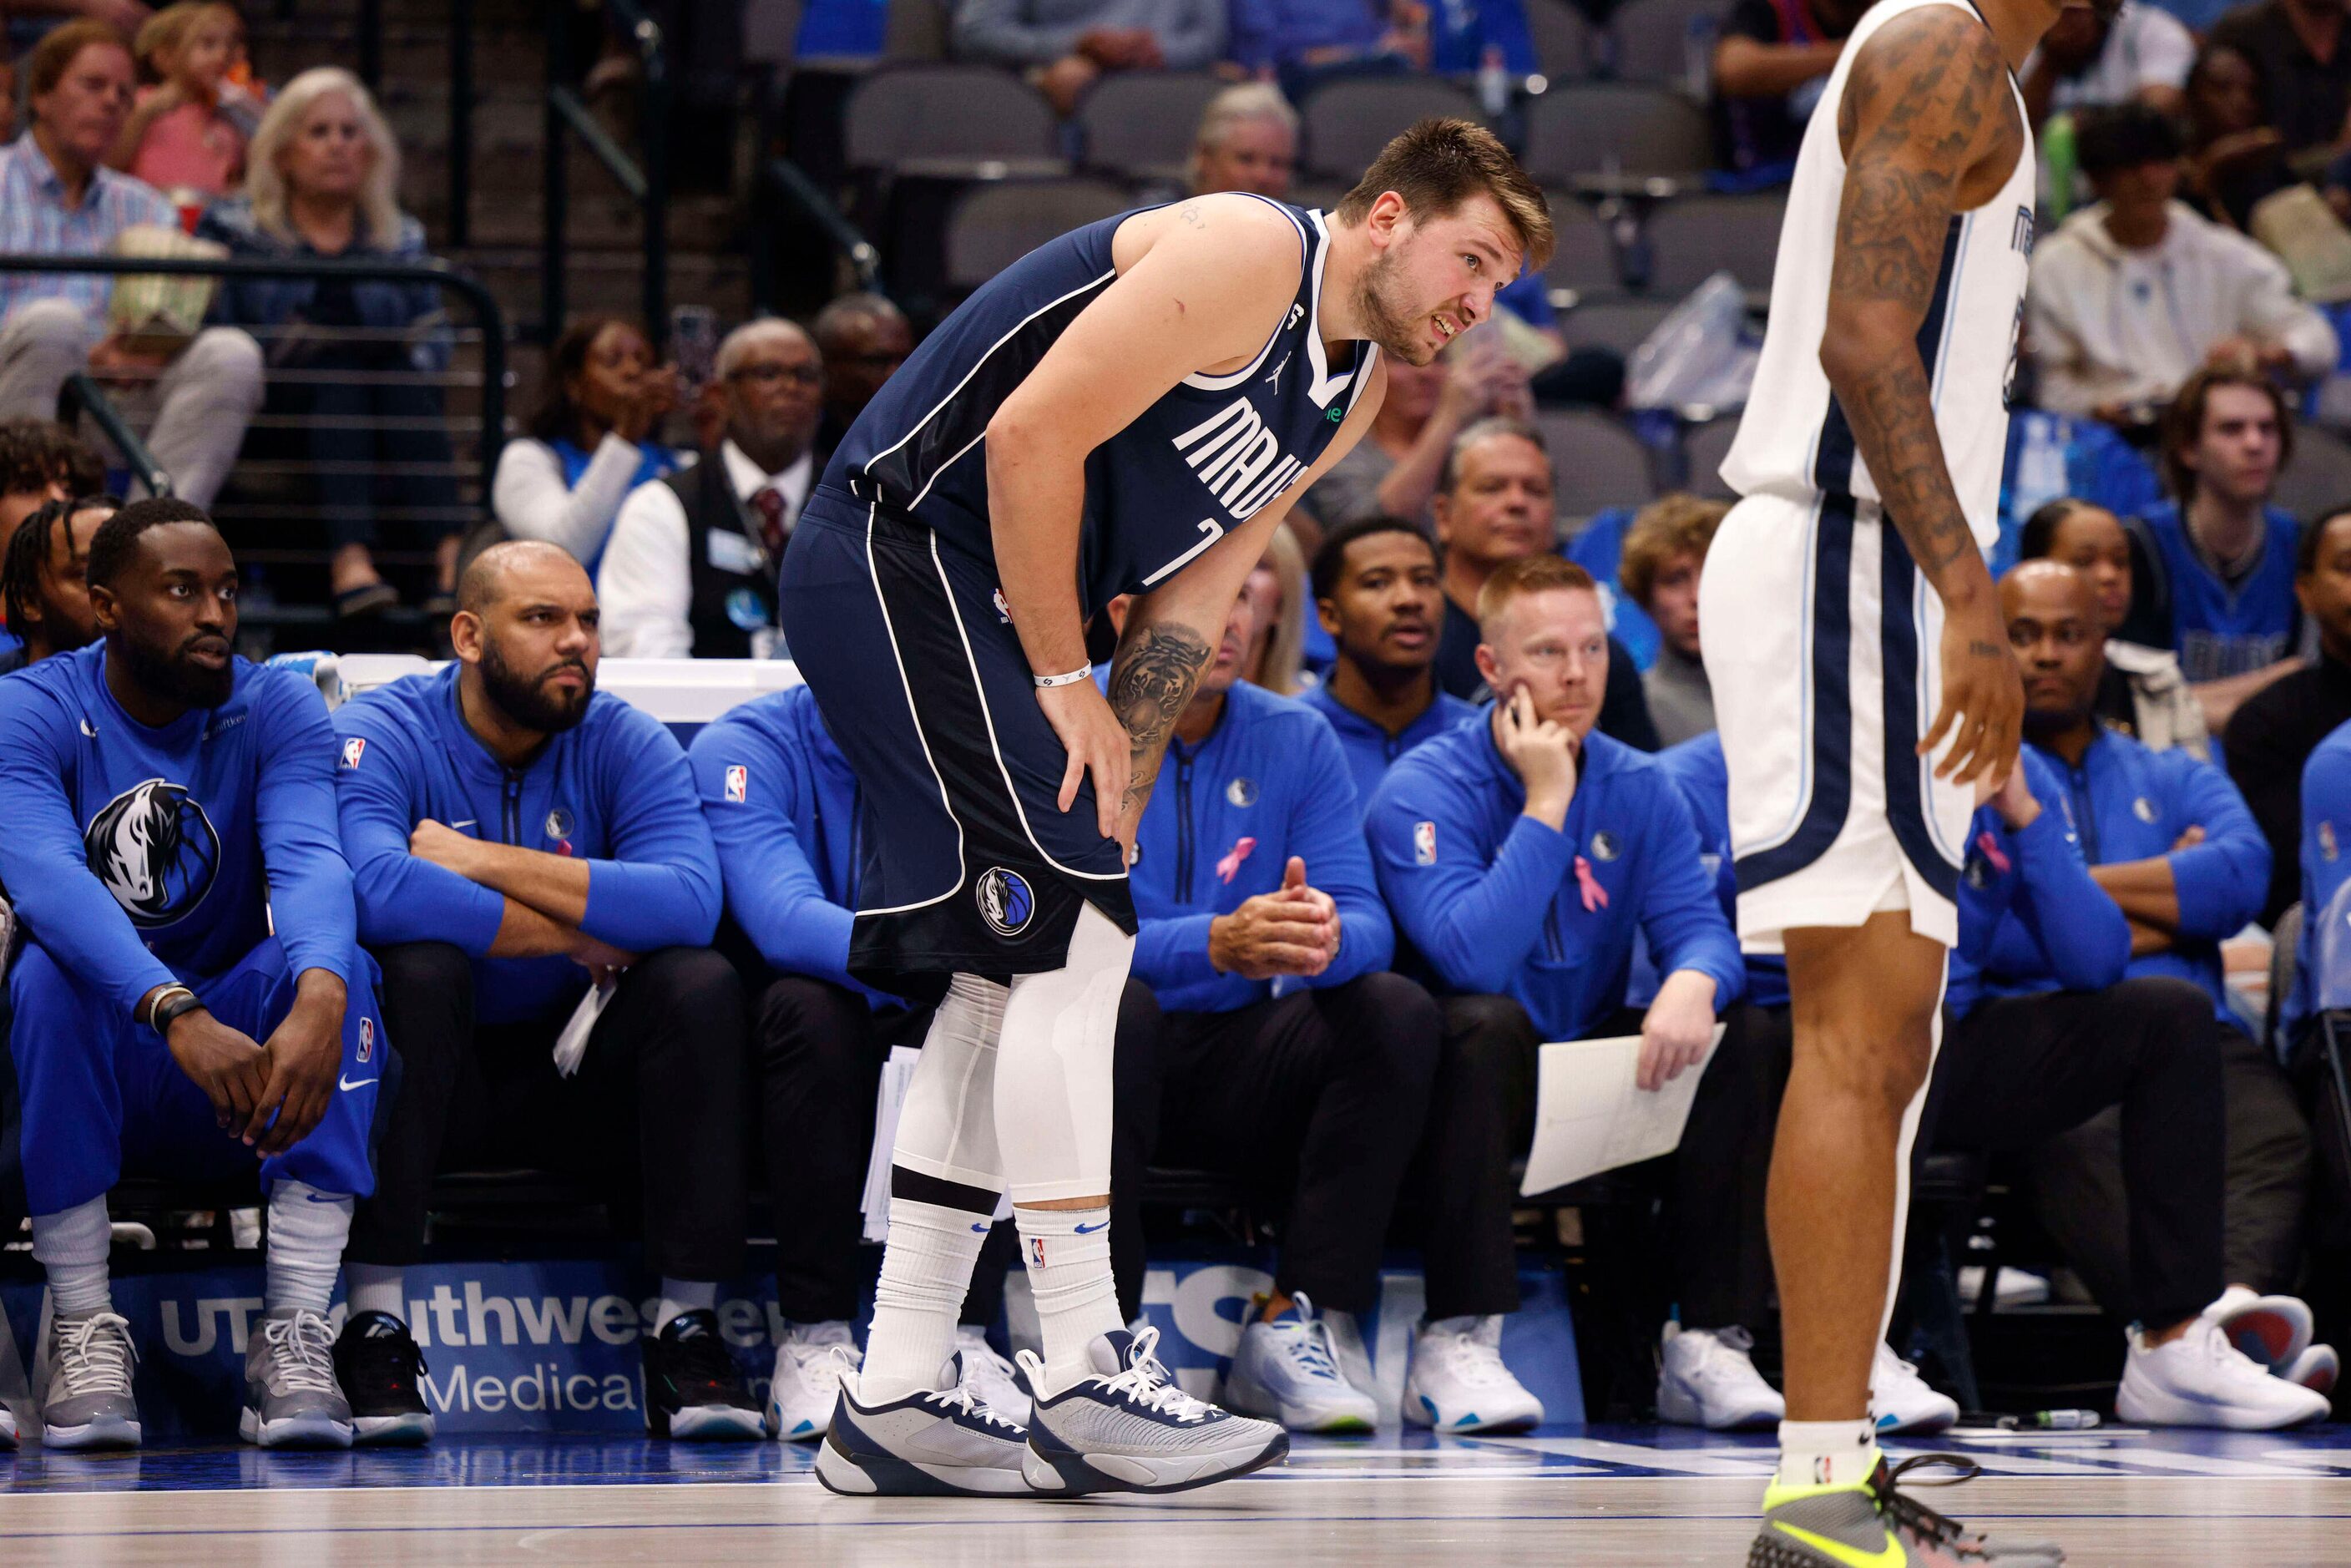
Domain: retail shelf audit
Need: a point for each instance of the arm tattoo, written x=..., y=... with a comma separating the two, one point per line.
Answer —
x=1150, y=680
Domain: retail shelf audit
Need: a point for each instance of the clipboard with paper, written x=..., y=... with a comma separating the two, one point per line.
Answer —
x=1590, y=1117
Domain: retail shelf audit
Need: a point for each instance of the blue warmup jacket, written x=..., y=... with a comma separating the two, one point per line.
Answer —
x=2129, y=803
x=2325, y=834
x=1492, y=898
x=137, y=856
x=614, y=790
x=2218, y=629
x=1369, y=748
x=1697, y=767
x=2030, y=920
x=784, y=810
x=1268, y=782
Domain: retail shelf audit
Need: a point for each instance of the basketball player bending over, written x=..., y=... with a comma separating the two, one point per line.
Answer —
x=1865, y=689
x=1128, y=409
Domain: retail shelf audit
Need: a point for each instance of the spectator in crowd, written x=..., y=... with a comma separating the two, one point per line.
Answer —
x=1245, y=876
x=178, y=137
x=1247, y=141
x=2136, y=292
x=2235, y=156
x=2142, y=693
x=1276, y=594
x=57, y=197
x=1494, y=506
x=2226, y=555
x=2168, y=839
x=1305, y=44
x=2087, y=61
x=1393, y=471
x=2302, y=54
x=691, y=568
x=591, y=442
x=1663, y=552
x=863, y=339
x=44, y=581
x=783, y=809
x=322, y=186
x=520, y=841
x=2276, y=729
x=1521, y=856
x=1377, y=592
x=1066, y=46
x=41, y=461
x=1771, y=62
x=2044, y=1032
x=178, y=1009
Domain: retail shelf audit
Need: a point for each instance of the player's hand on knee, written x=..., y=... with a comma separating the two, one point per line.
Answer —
x=222, y=1061
x=303, y=1057
x=1098, y=744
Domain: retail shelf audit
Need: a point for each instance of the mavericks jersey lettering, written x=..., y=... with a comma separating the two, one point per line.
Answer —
x=1794, y=439
x=1204, y=458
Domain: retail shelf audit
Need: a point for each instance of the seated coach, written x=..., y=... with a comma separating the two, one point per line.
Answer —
x=520, y=841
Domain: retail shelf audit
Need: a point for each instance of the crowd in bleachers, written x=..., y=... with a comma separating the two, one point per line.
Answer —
x=1448, y=790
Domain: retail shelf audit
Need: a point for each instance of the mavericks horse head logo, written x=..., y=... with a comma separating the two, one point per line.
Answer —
x=155, y=849
x=1005, y=901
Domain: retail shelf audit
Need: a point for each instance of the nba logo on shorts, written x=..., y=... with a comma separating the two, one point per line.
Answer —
x=366, y=1037
x=353, y=749
x=1423, y=843
x=1005, y=901
x=738, y=778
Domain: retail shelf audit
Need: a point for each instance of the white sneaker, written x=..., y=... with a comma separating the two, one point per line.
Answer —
x=1901, y=1399
x=989, y=1377
x=1129, y=1428
x=1287, y=1370
x=2201, y=1380
x=1706, y=1379
x=7, y=1427
x=2017, y=1287
x=932, y=1443
x=807, y=1381
x=2316, y=1369
x=2270, y=1330
x=1458, y=1383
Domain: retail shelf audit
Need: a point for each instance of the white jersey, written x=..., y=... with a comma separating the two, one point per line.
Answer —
x=1794, y=440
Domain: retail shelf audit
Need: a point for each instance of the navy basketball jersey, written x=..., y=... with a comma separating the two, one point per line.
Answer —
x=1207, y=454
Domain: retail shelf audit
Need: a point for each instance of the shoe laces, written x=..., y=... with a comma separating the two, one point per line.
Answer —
x=95, y=1354
x=1466, y=1356
x=977, y=1354
x=301, y=1351
x=961, y=1401
x=1907, y=1513
x=1722, y=1351
x=1308, y=1342
x=2214, y=1346
x=1145, y=1384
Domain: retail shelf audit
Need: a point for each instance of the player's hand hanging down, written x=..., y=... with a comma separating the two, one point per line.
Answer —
x=1982, y=710
x=1098, y=744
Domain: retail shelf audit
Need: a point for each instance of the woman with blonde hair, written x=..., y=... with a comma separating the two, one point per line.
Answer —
x=1276, y=592
x=351, y=394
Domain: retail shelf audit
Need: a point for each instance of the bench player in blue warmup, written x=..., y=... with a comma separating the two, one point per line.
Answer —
x=170, y=806
x=1128, y=409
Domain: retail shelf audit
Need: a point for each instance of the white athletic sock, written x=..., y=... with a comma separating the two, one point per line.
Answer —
x=308, y=1230
x=684, y=1296
x=1068, y=1252
x=376, y=1288
x=71, y=1246
x=925, y=1272
x=1827, y=1453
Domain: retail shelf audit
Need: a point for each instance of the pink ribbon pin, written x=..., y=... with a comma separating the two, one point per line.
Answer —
x=1595, y=897
x=1230, y=866
x=1991, y=847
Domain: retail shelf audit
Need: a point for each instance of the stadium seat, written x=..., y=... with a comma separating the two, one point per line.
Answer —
x=1704, y=446
x=1348, y=122
x=995, y=225
x=943, y=116
x=1563, y=39
x=1583, y=259
x=1666, y=41
x=1586, y=130
x=1621, y=323
x=2319, y=477
x=1597, y=462
x=1694, y=237
x=1139, y=124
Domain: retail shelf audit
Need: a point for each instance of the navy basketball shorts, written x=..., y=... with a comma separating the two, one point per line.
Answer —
x=970, y=865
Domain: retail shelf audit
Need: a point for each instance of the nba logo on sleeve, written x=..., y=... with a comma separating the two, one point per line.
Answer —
x=353, y=749
x=1423, y=843
x=738, y=778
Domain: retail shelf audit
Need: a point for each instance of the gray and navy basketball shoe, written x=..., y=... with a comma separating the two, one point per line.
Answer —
x=932, y=1444
x=291, y=1398
x=89, y=1404
x=383, y=1374
x=1130, y=1429
x=1872, y=1525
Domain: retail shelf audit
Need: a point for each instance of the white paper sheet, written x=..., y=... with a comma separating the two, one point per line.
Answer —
x=572, y=1043
x=1589, y=1117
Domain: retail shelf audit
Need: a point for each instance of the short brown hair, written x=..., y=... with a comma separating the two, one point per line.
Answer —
x=47, y=66
x=1525, y=577
x=1678, y=524
x=2183, y=421
x=1440, y=163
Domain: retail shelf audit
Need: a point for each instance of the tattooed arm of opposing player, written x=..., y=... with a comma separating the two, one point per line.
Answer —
x=1930, y=127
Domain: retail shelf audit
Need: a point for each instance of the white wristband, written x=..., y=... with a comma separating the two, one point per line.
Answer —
x=1082, y=673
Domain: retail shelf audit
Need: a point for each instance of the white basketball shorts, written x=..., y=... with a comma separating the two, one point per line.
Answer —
x=1822, y=647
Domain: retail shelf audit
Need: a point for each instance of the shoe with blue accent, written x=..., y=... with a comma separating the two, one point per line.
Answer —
x=1287, y=1370
x=291, y=1398
x=694, y=1391
x=2270, y=1330
x=1129, y=1428
x=1871, y=1524
x=383, y=1374
x=989, y=1378
x=1901, y=1399
x=807, y=1381
x=941, y=1443
x=1458, y=1383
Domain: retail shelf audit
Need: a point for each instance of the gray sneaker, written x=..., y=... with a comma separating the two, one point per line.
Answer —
x=291, y=1398
x=1875, y=1525
x=7, y=1427
x=89, y=1404
x=1130, y=1429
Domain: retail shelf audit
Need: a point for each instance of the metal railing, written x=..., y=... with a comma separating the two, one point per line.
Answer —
x=460, y=216
x=81, y=395
x=647, y=182
x=783, y=183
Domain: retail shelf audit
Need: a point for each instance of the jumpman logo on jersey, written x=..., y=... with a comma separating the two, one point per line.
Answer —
x=1275, y=377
